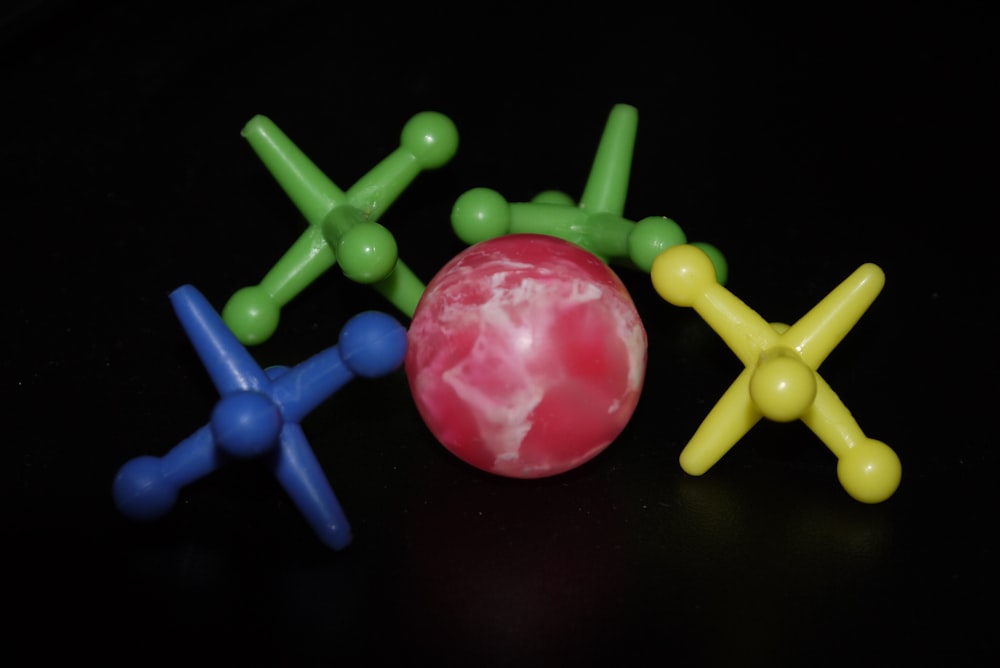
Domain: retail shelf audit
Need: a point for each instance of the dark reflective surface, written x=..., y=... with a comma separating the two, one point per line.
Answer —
x=801, y=152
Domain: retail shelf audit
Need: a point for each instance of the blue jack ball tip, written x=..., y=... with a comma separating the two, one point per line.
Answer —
x=140, y=491
x=373, y=344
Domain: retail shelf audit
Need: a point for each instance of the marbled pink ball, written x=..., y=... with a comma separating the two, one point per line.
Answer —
x=526, y=356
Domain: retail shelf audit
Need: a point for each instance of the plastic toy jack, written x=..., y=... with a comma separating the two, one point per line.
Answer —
x=342, y=225
x=259, y=413
x=780, y=381
x=596, y=223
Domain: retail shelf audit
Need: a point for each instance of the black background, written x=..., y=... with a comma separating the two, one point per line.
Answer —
x=801, y=143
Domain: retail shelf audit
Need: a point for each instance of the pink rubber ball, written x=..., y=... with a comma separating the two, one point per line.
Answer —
x=526, y=356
